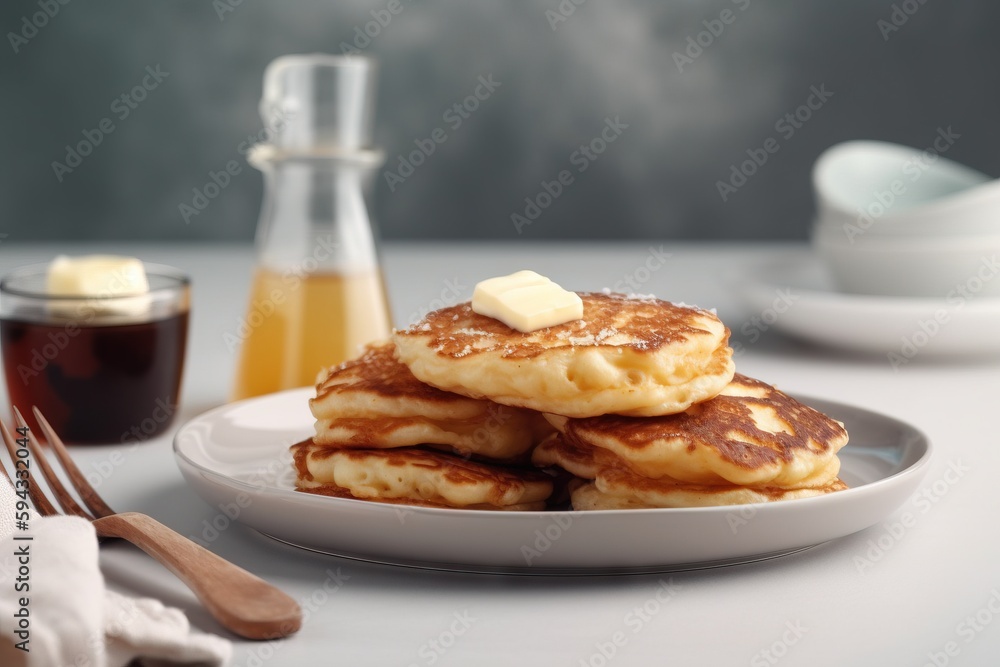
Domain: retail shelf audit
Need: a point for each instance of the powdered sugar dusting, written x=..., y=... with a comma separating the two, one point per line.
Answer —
x=612, y=320
x=469, y=331
x=681, y=304
x=464, y=352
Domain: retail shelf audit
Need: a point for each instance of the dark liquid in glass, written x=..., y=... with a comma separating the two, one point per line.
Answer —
x=90, y=380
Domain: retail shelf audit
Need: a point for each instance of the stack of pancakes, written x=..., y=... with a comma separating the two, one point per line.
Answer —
x=637, y=402
x=382, y=434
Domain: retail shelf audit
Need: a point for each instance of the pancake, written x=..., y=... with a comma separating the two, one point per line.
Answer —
x=616, y=486
x=375, y=402
x=414, y=476
x=637, y=356
x=620, y=490
x=575, y=458
x=749, y=435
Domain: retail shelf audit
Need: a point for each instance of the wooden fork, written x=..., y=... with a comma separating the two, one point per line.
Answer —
x=242, y=602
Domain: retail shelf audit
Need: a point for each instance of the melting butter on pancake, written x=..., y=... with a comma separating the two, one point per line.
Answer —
x=417, y=477
x=374, y=401
x=749, y=435
x=635, y=356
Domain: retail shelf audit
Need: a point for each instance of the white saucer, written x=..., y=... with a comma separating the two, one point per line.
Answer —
x=907, y=326
x=236, y=457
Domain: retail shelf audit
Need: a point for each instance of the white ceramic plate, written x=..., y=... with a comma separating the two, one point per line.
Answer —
x=236, y=458
x=907, y=326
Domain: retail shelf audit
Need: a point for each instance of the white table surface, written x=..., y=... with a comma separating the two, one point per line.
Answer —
x=812, y=608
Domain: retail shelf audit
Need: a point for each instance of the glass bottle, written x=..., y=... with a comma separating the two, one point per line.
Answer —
x=318, y=294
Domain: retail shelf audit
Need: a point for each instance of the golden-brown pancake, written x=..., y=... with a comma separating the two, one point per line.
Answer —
x=749, y=435
x=576, y=458
x=616, y=486
x=621, y=490
x=415, y=476
x=628, y=355
x=375, y=402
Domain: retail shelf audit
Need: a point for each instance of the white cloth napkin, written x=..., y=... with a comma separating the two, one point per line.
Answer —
x=72, y=619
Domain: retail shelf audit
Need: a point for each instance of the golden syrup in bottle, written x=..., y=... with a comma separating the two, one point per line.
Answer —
x=295, y=339
x=317, y=294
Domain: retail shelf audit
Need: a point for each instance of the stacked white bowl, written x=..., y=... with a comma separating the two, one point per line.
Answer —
x=898, y=221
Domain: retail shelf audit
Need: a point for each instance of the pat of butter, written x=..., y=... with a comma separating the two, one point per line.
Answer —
x=486, y=296
x=111, y=284
x=97, y=276
x=526, y=301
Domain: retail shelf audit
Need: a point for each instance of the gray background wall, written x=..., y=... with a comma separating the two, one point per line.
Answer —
x=687, y=125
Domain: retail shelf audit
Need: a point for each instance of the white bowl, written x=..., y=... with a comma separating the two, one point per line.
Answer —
x=874, y=188
x=955, y=268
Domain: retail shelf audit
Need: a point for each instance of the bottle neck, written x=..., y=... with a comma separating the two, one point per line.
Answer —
x=314, y=218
